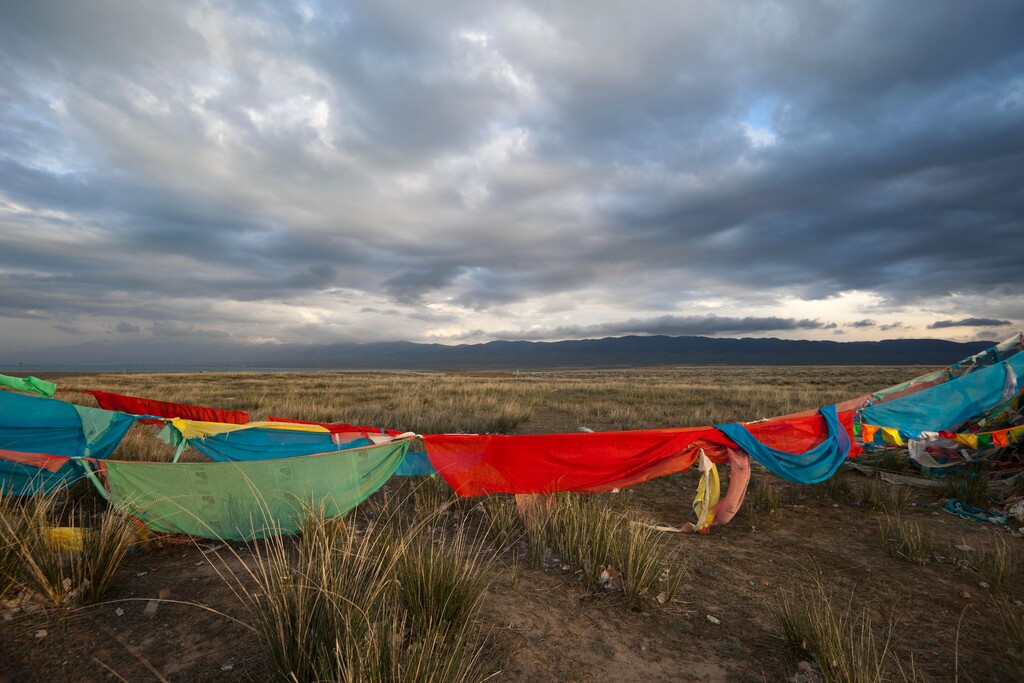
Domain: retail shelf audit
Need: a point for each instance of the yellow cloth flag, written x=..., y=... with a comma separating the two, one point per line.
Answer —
x=708, y=492
x=194, y=429
x=892, y=435
x=969, y=440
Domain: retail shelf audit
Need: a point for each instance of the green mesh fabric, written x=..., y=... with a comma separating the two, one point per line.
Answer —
x=253, y=499
x=95, y=423
x=32, y=385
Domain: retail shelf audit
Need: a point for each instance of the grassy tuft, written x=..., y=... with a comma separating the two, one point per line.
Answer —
x=894, y=461
x=967, y=487
x=503, y=522
x=906, y=540
x=606, y=549
x=763, y=499
x=845, y=645
x=539, y=535
x=647, y=568
x=585, y=535
x=62, y=571
x=10, y=555
x=998, y=562
x=431, y=496
x=835, y=488
x=383, y=604
x=1011, y=616
x=440, y=582
x=880, y=495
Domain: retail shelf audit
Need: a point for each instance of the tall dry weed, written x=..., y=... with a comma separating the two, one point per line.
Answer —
x=845, y=644
x=905, y=539
x=79, y=568
x=384, y=603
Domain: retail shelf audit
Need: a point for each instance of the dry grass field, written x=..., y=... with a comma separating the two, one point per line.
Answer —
x=851, y=580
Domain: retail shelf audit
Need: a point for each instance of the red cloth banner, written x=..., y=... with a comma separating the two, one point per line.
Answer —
x=147, y=406
x=476, y=465
x=43, y=461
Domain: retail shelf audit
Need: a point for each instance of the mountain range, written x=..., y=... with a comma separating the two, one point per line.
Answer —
x=176, y=353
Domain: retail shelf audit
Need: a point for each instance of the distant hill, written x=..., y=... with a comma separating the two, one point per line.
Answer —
x=585, y=353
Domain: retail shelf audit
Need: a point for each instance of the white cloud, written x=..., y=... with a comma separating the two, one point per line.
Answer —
x=759, y=136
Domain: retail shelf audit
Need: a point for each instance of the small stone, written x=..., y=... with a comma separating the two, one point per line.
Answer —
x=227, y=667
x=964, y=548
x=984, y=584
x=764, y=582
x=662, y=598
x=42, y=633
x=714, y=620
x=966, y=595
x=119, y=612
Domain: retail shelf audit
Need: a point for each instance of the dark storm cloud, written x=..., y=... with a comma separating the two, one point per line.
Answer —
x=410, y=286
x=166, y=161
x=968, y=322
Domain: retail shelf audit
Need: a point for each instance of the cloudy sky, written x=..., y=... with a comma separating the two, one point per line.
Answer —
x=461, y=172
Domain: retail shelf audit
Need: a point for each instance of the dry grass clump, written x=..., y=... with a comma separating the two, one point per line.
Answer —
x=432, y=495
x=607, y=549
x=647, y=568
x=10, y=555
x=892, y=460
x=763, y=501
x=504, y=525
x=80, y=567
x=440, y=582
x=1011, y=616
x=998, y=562
x=384, y=604
x=905, y=539
x=967, y=487
x=836, y=487
x=845, y=645
x=880, y=495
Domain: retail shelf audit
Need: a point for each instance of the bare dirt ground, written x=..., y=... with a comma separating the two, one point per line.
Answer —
x=555, y=630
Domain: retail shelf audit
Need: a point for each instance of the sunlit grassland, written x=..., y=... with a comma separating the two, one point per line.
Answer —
x=508, y=402
x=495, y=402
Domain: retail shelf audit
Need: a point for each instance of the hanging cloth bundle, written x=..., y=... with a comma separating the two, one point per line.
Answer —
x=810, y=467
